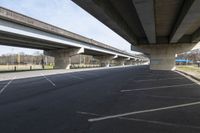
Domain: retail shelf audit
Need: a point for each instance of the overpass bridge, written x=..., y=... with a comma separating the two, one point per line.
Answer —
x=160, y=28
x=22, y=31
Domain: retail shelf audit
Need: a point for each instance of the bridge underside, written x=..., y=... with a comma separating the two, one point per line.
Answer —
x=151, y=24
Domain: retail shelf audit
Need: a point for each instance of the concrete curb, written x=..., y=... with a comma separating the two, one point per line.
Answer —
x=198, y=79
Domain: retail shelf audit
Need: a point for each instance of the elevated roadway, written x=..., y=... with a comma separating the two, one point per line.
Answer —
x=159, y=28
x=20, y=30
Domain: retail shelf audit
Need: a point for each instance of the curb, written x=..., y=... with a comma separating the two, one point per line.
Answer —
x=198, y=79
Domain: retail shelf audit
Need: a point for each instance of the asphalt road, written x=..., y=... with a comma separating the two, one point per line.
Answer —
x=117, y=100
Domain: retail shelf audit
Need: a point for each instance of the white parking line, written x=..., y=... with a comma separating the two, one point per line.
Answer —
x=158, y=79
x=159, y=87
x=5, y=86
x=145, y=121
x=87, y=113
x=143, y=111
x=160, y=123
x=171, y=97
x=48, y=80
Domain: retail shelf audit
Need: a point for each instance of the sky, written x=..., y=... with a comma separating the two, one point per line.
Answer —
x=67, y=15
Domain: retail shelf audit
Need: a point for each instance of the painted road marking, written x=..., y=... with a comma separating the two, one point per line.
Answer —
x=87, y=113
x=5, y=86
x=145, y=121
x=158, y=79
x=159, y=87
x=48, y=80
x=160, y=123
x=171, y=97
x=143, y=111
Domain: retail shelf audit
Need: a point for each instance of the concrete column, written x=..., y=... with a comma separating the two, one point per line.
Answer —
x=121, y=60
x=162, y=57
x=105, y=63
x=62, y=57
x=130, y=62
x=105, y=60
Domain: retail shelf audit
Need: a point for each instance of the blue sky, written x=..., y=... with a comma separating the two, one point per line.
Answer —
x=67, y=15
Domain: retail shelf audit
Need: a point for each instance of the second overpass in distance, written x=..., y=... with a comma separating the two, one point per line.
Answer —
x=19, y=30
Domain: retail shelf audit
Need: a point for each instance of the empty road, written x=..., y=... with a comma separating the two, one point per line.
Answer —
x=116, y=100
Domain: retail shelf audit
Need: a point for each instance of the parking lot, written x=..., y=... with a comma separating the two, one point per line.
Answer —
x=114, y=100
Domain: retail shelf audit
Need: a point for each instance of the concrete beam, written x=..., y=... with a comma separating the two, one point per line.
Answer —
x=115, y=57
x=106, y=13
x=17, y=21
x=197, y=46
x=188, y=16
x=128, y=58
x=17, y=28
x=196, y=36
x=145, y=10
x=76, y=51
x=133, y=59
x=13, y=40
x=130, y=61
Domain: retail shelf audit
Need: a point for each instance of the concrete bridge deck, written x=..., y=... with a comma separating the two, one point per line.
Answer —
x=13, y=17
x=159, y=28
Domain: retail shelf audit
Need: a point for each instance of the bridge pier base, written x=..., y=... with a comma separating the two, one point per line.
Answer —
x=62, y=57
x=105, y=61
x=120, y=61
x=162, y=59
x=130, y=62
x=162, y=56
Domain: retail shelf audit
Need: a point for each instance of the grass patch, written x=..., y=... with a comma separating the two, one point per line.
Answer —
x=191, y=69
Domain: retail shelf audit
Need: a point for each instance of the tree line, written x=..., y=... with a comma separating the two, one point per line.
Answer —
x=22, y=59
x=191, y=55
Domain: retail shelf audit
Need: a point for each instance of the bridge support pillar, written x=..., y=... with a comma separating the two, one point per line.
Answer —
x=121, y=61
x=130, y=62
x=62, y=57
x=105, y=61
x=162, y=57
